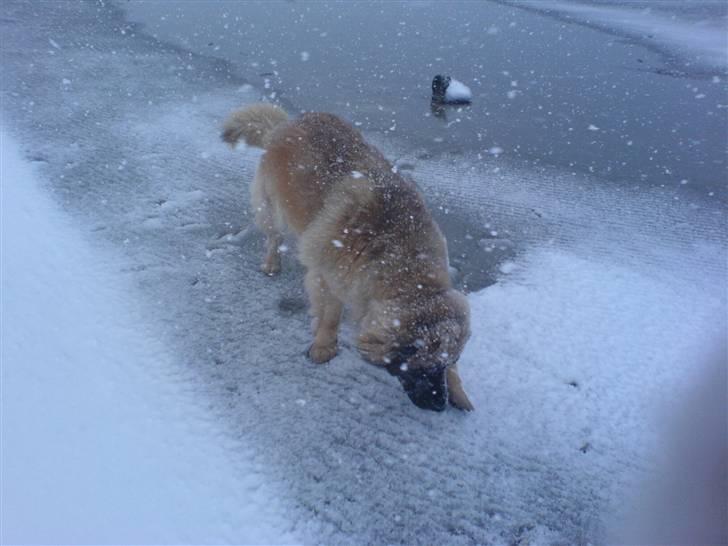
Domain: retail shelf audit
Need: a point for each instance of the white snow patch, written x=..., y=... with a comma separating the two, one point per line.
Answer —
x=458, y=91
x=104, y=440
x=584, y=351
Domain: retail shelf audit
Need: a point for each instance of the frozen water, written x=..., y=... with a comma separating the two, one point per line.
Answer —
x=570, y=73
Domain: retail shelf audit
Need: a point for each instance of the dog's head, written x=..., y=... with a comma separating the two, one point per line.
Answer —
x=417, y=343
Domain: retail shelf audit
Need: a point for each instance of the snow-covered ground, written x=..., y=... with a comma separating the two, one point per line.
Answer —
x=152, y=375
x=103, y=440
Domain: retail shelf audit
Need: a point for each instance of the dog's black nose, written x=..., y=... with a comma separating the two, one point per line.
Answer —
x=426, y=388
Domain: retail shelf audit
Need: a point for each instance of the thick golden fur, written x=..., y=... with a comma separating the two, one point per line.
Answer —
x=365, y=237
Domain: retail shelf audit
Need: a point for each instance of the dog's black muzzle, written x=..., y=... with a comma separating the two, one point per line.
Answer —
x=426, y=388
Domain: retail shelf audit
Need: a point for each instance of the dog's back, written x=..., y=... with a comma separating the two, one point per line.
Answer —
x=307, y=157
x=310, y=156
x=319, y=161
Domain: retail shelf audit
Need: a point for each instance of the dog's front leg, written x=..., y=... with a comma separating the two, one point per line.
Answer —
x=458, y=397
x=326, y=310
x=272, y=262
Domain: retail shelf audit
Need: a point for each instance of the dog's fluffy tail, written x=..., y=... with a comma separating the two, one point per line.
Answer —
x=254, y=124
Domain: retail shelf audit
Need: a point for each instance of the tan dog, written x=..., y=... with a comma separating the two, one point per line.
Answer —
x=367, y=240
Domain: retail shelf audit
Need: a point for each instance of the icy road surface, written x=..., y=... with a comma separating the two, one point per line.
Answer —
x=594, y=306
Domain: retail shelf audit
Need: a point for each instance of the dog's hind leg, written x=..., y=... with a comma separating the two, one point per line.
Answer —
x=272, y=261
x=265, y=219
x=458, y=398
x=326, y=310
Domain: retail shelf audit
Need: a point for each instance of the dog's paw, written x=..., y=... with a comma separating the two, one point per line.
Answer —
x=460, y=400
x=322, y=353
